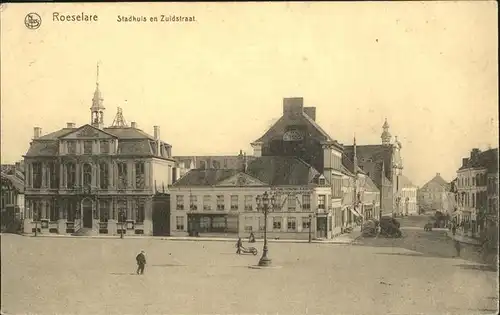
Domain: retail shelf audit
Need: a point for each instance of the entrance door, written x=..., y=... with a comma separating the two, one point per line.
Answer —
x=161, y=215
x=322, y=227
x=87, y=213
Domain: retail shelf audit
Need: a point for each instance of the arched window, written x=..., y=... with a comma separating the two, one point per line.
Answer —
x=70, y=175
x=103, y=175
x=87, y=175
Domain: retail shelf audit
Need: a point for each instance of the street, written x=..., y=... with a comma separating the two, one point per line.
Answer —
x=416, y=274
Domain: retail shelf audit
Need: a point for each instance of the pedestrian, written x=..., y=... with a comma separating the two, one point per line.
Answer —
x=453, y=229
x=457, y=247
x=141, y=262
x=239, y=245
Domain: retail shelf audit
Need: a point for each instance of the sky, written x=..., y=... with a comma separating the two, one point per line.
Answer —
x=217, y=84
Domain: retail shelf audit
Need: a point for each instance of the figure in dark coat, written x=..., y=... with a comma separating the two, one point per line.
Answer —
x=141, y=263
x=457, y=247
x=239, y=245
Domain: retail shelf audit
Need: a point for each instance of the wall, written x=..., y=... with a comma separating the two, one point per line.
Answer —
x=161, y=173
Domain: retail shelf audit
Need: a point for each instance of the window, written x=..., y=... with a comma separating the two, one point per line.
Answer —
x=277, y=223
x=54, y=211
x=103, y=175
x=234, y=202
x=179, y=200
x=248, y=202
x=473, y=199
x=71, y=147
x=140, y=179
x=193, y=202
x=53, y=175
x=322, y=181
x=306, y=223
x=37, y=210
x=87, y=175
x=70, y=175
x=37, y=175
x=139, y=211
x=122, y=211
x=473, y=181
x=321, y=201
x=87, y=147
x=220, y=202
x=203, y=165
x=306, y=202
x=104, y=146
x=291, y=224
x=262, y=223
x=122, y=175
x=248, y=224
x=292, y=202
x=207, y=202
x=179, y=223
x=104, y=210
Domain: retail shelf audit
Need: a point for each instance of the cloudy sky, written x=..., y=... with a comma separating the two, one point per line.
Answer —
x=216, y=84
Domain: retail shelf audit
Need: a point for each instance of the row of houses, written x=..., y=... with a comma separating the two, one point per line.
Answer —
x=476, y=195
x=120, y=179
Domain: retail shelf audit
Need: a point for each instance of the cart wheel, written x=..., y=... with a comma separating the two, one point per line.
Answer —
x=255, y=252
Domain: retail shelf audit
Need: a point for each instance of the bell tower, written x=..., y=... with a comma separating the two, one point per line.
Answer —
x=97, y=109
x=386, y=136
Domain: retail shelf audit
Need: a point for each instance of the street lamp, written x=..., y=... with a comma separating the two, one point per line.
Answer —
x=35, y=217
x=121, y=219
x=264, y=206
x=310, y=221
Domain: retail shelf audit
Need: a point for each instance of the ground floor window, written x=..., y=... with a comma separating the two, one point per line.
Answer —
x=291, y=224
x=262, y=223
x=276, y=223
x=140, y=211
x=179, y=223
x=104, y=210
x=248, y=224
x=54, y=211
x=306, y=223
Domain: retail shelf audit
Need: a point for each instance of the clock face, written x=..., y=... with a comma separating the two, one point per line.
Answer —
x=293, y=135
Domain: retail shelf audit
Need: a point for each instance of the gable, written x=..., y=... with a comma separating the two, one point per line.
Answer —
x=241, y=180
x=88, y=132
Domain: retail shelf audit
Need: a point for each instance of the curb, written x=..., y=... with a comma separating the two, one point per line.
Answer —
x=197, y=239
x=463, y=240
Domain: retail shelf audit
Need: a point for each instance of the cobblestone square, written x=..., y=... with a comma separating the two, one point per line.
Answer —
x=95, y=276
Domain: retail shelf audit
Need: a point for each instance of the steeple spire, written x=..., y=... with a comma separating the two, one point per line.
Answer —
x=386, y=136
x=97, y=109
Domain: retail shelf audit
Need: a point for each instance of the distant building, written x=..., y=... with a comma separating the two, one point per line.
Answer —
x=477, y=192
x=216, y=200
x=408, y=204
x=95, y=179
x=384, y=165
x=12, y=194
x=436, y=195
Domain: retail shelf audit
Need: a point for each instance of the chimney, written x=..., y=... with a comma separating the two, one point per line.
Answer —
x=70, y=125
x=245, y=164
x=37, y=132
x=293, y=106
x=438, y=174
x=133, y=124
x=157, y=138
x=311, y=112
x=465, y=161
x=474, y=154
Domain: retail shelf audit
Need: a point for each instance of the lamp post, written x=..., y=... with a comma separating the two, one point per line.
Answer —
x=310, y=221
x=35, y=217
x=121, y=219
x=265, y=204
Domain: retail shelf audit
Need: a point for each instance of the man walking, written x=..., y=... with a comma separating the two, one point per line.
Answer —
x=457, y=247
x=141, y=262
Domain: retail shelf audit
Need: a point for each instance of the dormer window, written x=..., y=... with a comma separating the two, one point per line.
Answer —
x=104, y=146
x=321, y=181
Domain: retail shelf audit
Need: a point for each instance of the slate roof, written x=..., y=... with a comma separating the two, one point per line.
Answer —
x=222, y=161
x=370, y=185
x=405, y=182
x=131, y=141
x=436, y=180
x=305, y=118
x=205, y=177
x=16, y=182
x=281, y=170
x=374, y=152
x=273, y=170
x=349, y=164
x=487, y=159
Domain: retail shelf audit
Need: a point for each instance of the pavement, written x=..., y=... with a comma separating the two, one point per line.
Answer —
x=374, y=276
x=347, y=238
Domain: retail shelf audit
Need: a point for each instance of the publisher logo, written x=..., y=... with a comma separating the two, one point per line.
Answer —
x=32, y=21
